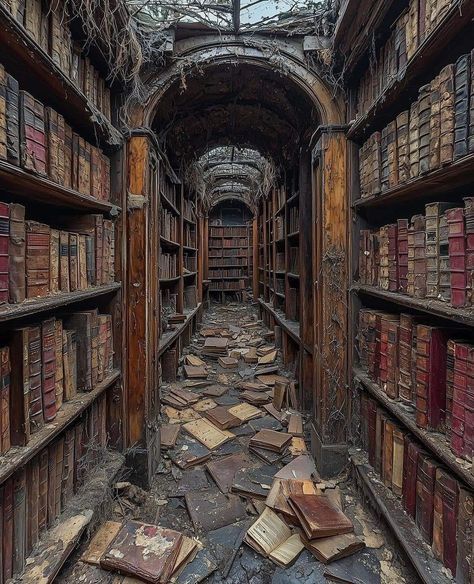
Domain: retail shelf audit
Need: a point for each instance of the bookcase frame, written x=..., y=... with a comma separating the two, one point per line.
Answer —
x=448, y=183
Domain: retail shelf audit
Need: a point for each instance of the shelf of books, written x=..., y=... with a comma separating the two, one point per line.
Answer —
x=178, y=269
x=60, y=356
x=230, y=259
x=413, y=277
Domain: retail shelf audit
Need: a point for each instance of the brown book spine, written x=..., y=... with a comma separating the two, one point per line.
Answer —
x=48, y=350
x=35, y=379
x=37, y=259
x=59, y=373
x=82, y=262
x=7, y=534
x=81, y=322
x=3, y=113
x=4, y=251
x=19, y=521
x=17, y=251
x=73, y=262
x=68, y=156
x=56, y=142
x=75, y=161
x=43, y=490
x=446, y=77
x=58, y=469
x=32, y=488
x=20, y=388
x=424, y=124
x=464, y=537
x=79, y=466
x=54, y=262
x=426, y=475
x=51, y=508
x=5, y=440
x=64, y=261
x=435, y=124
x=387, y=461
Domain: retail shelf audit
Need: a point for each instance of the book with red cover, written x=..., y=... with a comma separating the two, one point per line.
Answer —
x=444, y=519
x=32, y=134
x=35, y=379
x=457, y=256
x=37, y=259
x=464, y=553
x=5, y=399
x=431, y=350
x=59, y=373
x=48, y=352
x=4, y=251
x=425, y=483
x=7, y=533
x=319, y=517
x=17, y=251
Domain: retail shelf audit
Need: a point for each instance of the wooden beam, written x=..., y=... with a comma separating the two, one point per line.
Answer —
x=236, y=15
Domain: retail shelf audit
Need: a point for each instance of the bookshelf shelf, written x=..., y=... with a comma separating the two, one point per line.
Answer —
x=38, y=189
x=446, y=181
x=433, y=441
x=291, y=327
x=434, y=307
x=187, y=248
x=11, y=312
x=38, y=73
x=427, y=57
x=190, y=275
x=293, y=235
x=170, y=337
x=402, y=525
x=189, y=221
x=169, y=204
x=18, y=456
x=170, y=280
x=168, y=243
x=293, y=276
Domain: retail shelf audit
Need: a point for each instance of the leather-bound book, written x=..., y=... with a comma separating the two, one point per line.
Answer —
x=64, y=283
x=380, y=419
x=82, y=262
x=411, y=260
x=37, y=259
x=102, y=351
x=392, y=155
x=5, y=399
x=43, y=490
x=32, y=21
x=387, y=374
x=20, y=385
x=106, y=177
x=84, y=174
x=81, y=322
x=431, y=377
x=96, y=175
x=445, y=518
x=56, y=143
x=411, y=452
x=375, y=166
x=413, y=140
x=372, y=407
x=58, y=469
x=435, y=124
x=461, y=105
x=405, y=350
x=54, y=261
x=387, y=460
x=51, y=483
x=13, y=120
x=424, y=124
x=363, y=255
x=32, y=134
x=32, y=501
x=59, y=373
x=3, y=113
x=401, y=42
x=446, y=89
x=433, y=213
x=402, y=255
x=69, y=364
x=94, y=347
x=91, y=225
x=398, y=461
x=391, y=388
x=73, y=262
x=4, y=251
x=457, y=256
x=426, y=476
x=90, y=260
x=319, y=517
x=403, y=146
x=109, y=256
x=75, y=162
x=16, y=252
x=7, y=533
x=450, y=361
x=419, y=253
x=384, y=164
x=423, y=8
x=67, y=479
x=412, y=28
x=392, y=235
x=67, y=156
x=48, y=351
x=464, y=536
x=19, y=521
x=444, y=266
x=461, y=432
x=35, y=383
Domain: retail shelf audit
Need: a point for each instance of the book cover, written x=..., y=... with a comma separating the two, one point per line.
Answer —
x=37, y=259
x=48, y=354
x=17, y=252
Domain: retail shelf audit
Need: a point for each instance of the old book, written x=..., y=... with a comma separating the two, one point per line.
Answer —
x=20, y=388
x=256, y=398
x=245, y=412
x=3, y=113
x=419, y=256
x=295, y=425
x=33, y=145
x=464, y=536
x=223, y=470
x=82, y=323
x=66, y=482
x=68, y=156
x=435, y=124
x=210, y=509
x=461, y=105
x=403, y=146
x=278, y=497
x=222, y=418
x=16, y=252
x=426, y=475
x=413, y=140
x=397, y=462
x=207, y=434
x=56, y=145
x=424, y=122
x=35, y=379
x=387, y=457
x=32, y=493
x=330, y=549
x=146, y=551
x=444, y=519
x=37, y=259
x=228, y=362
x=100, y=542
x=48, y=382
x=4, y=251
x=8, y=532
x=54, y=261
x=446, y=87
x=254, y=482
x=69, y=364
x=92, y=225
x=19, y=521
x=271, y=440
x=64, y=261
x=59, y=370
x=195, y=454
x=402, y=255
x=319, y=517
x=84, y=170
x=271, y=537
x=81, y=262
x=457, y=256
x=73, y=262
x=195, y=372
x=5, y=400
x=13, y=120
x=43, y=490
x=411, y=33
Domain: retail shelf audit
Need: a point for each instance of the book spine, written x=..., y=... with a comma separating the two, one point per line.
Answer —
x=35, y=379
x=457, y=256
x=446, y=77
x=5, y=426
x=19, y=521
x=461, y=106
x=64, y=261
x=82, y=262
x=4, y=251
x=3, y=113
x=16, y=252
x=59, y=373
x=32, y=134
x=435, y=124
x=20, y=388
x=424, y=118
x=73, y=262
x=43, y=490
x=37, y=259
x=54, y=261
x=13, y=120
x=48, y=350
x=424, y=497
x=464, y=537
x=32, y=489
x=7, y=539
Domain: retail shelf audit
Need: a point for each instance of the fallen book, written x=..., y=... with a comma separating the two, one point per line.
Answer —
x=211, y=509
x=215, y=390
x=188, y=397
x=204, y=405
x=272, y=538
x=176, y=318
x=215, y=346
x=168, y=435
x=207, y=434
x=195, y=372
x=254, y=482
x=336, y=547
x=245, y=412
x=194, y=361
x=281, y=490
x=270, y=440
x=222, y=418
x=252, y=386
x=319, y=517
x=269, y=379
x=228, y=362
x=223, y=470
x=268, y=456
x=295, y=425
x=255, y=397
x=148, y=552
x=193, y=454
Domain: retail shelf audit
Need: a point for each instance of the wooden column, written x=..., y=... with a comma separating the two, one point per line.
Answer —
x=142, y=314
x=255, y=272
x=330, y=297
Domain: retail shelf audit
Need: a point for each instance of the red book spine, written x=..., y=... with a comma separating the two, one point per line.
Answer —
x=426, y=474
x=457, y=256
x=48, y=348
x=458, y=413
x=410, y=468
x=4, y=247
x=35, y=379
x=5, y=441
x=33, y=134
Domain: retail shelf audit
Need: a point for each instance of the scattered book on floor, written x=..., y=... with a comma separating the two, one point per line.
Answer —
x=271, y=440
x=222, y=418
x=245, y=412
x=319, y=517
x=336, y=547
x=168, y=435
x=208, y=435
x=195, y=372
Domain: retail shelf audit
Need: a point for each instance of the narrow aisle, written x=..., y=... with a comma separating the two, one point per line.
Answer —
x=213, y=494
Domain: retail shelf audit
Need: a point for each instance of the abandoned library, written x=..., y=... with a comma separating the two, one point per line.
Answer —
x=237, y=291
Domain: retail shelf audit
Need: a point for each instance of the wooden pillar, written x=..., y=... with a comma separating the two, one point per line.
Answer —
x=142, y=314
x=330, y=297
x=255, y=242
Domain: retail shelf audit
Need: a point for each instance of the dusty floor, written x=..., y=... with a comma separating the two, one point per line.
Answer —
x=380, y=562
